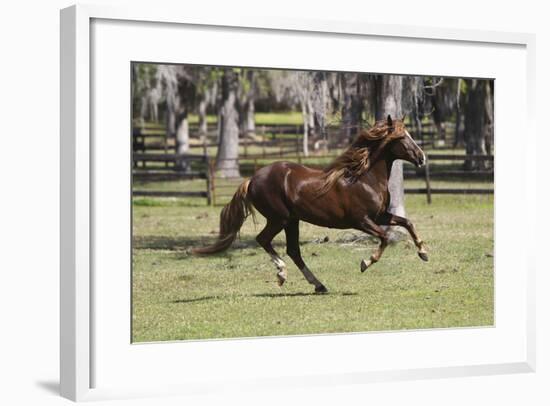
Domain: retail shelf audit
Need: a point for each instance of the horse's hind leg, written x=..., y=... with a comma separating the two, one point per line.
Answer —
x=374, y=229
x=293, y=250
x=264, y=239
x=393, y=220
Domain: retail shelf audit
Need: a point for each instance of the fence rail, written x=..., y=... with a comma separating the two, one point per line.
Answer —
x=170, y=193
x=155, y=159
x=228, y=188
x=177, y=167
x=271, y=135
x=449, y=191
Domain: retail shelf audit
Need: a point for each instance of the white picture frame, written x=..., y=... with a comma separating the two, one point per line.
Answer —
x=77, y=282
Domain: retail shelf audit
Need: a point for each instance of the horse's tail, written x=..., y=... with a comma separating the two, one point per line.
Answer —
x=232, y=218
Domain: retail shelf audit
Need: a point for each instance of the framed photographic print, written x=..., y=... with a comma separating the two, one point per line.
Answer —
x=244, y=211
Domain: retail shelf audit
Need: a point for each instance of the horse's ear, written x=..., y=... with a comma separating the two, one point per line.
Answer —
x=389, y=121
x=403, y=119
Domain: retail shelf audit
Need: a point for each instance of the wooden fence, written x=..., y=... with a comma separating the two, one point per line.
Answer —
x=224, y=188
x=270, y=138
x=428, y=174
x=170, y=167
x=155, y=159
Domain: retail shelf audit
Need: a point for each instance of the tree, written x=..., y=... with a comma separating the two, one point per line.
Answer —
x=459, y=114
x=186, y=92
x=228, y=119
x=478, y=120
x=308, y=90
x=299, y=86
x=388, y=101
x=207, y=79
x=246, y=102
x=146, y=96
x=442, y=96
x=489, y=116
x=352, y=104
x=319, y=100
x=179, y=90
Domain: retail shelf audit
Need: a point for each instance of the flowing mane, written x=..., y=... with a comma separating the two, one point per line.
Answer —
x=356, y=160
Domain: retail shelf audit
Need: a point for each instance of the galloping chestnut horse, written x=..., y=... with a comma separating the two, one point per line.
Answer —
x=351, y=193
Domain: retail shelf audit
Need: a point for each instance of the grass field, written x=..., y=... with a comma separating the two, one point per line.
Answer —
x=177, y=296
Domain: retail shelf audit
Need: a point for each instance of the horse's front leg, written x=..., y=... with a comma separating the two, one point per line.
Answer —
x=374, y=229
x=389, y=219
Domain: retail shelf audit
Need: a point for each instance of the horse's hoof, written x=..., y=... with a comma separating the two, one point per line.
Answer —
x=364, y=265
x=321, y=289
x=281, y=279
x=423, y=256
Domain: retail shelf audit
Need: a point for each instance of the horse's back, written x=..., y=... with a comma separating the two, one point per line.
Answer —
x=275, y=174
x=287, y=189
x=281, y=167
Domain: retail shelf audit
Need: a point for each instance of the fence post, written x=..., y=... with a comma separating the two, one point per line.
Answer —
x=165, y=142
x=212, y=172
x=433, y=130
x=208, y=181
x=428, y=186
x=263, y=141
x=297, y=135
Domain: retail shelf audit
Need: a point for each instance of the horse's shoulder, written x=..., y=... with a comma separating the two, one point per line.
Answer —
x=302, y=168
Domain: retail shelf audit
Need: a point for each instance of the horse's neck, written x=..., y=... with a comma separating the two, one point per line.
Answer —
x=379, y=174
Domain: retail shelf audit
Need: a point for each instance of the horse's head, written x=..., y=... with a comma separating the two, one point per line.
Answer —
x=386, y=140
x=400, y=144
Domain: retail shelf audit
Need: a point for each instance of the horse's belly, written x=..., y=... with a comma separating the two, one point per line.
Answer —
x=321, y=211
x=342, y=207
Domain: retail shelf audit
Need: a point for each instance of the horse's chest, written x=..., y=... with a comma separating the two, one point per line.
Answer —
x=385, y=201
x=372, y=200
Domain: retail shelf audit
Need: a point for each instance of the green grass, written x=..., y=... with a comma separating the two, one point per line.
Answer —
x=177, y=296
x=290, y=118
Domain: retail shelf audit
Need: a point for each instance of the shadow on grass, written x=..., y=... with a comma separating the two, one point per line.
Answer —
x=185, y=244
x=197, y=299
x=267, y=295
x=298, y=294
x=295, y=294
x=180, y=243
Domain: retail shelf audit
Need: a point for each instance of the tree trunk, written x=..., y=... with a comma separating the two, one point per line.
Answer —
x=438, y=117
x=305, y=138
x=246, y=103
x=458, y=141
x=318, y=104
x=352, y=106
x=170, y=119
x=250, y=122
x=489, y=117
x=310, y=117
x=203, y=125
x=389, y=90
x=219, y=125
x=475, y=122
x=182, y=139
x=418, y=127
x=228, y=148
